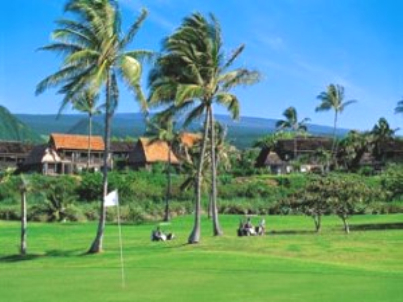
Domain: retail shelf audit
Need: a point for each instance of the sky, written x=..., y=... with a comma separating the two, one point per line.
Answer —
x=299, y=46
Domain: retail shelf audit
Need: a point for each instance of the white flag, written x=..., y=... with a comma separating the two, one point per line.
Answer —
x=112, y=199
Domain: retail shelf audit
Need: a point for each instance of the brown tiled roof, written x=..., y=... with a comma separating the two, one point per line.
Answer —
x=152, y=151
x=76, y=142
x=122, y=147
x=304, y=145
x=190, y=139
x=7, y=147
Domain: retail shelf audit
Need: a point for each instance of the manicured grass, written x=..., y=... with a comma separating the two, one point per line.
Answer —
x=292, y=264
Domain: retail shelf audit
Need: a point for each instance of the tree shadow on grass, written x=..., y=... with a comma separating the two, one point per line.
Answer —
x=377, y=226
x=291, y=232
x=64, y=253
x=50, y=254
x=19, y=258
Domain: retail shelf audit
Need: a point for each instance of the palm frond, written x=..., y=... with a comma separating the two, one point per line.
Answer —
x=134, y=28
x=187, y=92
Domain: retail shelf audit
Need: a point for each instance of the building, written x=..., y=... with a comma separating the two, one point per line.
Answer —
x=13, y=154
x=66, y=154
x=278, y=159
x=147, y=152
x=120, y=153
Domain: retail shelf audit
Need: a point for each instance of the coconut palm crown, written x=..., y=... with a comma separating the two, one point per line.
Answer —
x=292, y=123
x=333, y=99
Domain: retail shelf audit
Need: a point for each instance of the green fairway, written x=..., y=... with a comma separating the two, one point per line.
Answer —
x=291, y=264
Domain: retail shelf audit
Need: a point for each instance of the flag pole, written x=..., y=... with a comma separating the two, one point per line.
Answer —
x=121, y=249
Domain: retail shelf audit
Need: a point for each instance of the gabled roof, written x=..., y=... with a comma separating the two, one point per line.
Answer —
x=122, y=147
x=190, y=139
x=8, y=147
x=42, y=154
x=151, y=152
x=268, y=158
x=76, y=142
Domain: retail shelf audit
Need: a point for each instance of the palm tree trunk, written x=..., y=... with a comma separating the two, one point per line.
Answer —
x=97, y=244
x=168, y=193
x=23, y=248
x=334, y=136
x=195, y=234
x=216, y=224
x=89, y=140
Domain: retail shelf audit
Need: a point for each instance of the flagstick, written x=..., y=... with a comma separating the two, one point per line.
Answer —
x=121, y=249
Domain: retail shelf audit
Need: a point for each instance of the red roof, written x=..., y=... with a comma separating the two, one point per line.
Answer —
x=76, y=142
x=190, y=139
x=157, y=151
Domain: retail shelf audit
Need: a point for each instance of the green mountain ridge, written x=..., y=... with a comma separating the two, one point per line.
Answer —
x=13, y=129
x=241, y=133
x=82, y=127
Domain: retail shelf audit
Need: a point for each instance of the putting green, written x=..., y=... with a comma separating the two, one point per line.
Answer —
x=290, y=264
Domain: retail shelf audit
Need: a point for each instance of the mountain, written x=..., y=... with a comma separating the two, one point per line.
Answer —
x=241, y=133
x=12, y=129
x=82, y=127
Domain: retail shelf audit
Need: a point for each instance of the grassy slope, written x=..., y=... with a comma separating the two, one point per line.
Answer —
x=364, y=266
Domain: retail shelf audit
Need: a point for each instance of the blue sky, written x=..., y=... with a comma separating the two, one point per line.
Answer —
x=300, y=46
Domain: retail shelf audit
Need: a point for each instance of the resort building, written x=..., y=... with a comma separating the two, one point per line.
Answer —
x=148, y=152
x=66, y=154
x=13, y=154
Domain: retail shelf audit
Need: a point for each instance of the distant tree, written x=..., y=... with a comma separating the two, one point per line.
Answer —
x=270, y=141
x=333, y=99
x=392, y=180
x=382, y=134
x=87, y=103
x=163, y=130
x=292, y=123
x=95, y=55
x=353, y=147
x=331, y=194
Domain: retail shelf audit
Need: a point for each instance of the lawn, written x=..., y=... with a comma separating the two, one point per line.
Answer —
x=290, y=264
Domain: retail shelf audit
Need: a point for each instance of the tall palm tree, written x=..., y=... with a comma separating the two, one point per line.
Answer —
x=333, y=99
x=292, y=123
x=95, y=56
x=163, y=130
x=87, y=103
x=191, y=75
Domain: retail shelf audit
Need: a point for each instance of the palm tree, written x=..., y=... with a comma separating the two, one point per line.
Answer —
x=191, y=75
x=382, y=134
x=292, y=123
x=87, y=103
x=333, y=99
x=95, y=55
x=353, y=147
x=163, y=130
x=221, y=150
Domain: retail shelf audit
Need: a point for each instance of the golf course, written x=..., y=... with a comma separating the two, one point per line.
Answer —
x=290, y=263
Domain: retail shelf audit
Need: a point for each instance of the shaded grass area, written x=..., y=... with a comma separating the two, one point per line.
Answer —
x=290, y=263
